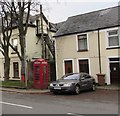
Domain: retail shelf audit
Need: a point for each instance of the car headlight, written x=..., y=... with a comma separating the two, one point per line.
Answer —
x=51, y=84
x=67, y=84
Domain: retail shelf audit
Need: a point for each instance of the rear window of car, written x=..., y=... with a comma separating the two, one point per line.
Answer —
x=71, y=77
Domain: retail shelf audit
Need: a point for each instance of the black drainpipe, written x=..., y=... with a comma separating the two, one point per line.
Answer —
x=99, y=54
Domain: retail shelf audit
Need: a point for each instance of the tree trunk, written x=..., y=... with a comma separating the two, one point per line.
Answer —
x=7, y=68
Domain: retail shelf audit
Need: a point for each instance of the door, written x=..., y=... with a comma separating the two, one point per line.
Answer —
x=114, y=73
x=52, y=71
x=84, y=66
x=68, y=66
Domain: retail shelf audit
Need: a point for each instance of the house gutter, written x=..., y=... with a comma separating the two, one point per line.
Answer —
x=99, y=52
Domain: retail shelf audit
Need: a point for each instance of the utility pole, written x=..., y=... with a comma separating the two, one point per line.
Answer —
x=23, y=70
x=26, y=77
x=42, y=33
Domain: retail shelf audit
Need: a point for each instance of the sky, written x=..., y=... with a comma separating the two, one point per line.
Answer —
x=59, y=10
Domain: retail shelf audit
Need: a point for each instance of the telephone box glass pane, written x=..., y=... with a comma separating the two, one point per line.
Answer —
x=44, y=72
x=37, y=74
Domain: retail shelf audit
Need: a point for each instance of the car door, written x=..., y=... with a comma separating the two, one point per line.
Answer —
x=89, y=81
x=83, y=81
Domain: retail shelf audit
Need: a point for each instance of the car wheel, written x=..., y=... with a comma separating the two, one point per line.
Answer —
x=93, y=87
x=77, y=89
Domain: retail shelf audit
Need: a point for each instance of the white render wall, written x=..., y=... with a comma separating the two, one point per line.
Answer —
x=66, y=48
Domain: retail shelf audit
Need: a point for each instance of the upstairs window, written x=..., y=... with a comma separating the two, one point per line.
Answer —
x=38, y=26
x=15, y=43
x=82, y=42
x=113, y=38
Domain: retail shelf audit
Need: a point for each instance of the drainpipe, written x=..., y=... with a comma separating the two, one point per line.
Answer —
x=99, y=54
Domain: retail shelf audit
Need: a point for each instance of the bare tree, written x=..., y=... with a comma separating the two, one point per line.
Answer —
x=6, y=31
x=21, y=13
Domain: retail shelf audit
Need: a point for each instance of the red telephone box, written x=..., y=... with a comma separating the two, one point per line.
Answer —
x=40, y=74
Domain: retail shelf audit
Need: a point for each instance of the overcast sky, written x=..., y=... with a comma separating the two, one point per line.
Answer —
x=60, y=10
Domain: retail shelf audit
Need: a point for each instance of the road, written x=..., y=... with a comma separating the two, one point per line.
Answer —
x=98, y=102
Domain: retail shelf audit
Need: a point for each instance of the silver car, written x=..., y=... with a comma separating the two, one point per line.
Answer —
x=73, y=82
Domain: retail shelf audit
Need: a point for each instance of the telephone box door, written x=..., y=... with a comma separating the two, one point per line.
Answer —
x=40, y=74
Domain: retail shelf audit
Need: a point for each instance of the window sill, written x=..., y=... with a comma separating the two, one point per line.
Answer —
x=13, y=53
x=82, y=50
x=112, y=48
x=16, y=77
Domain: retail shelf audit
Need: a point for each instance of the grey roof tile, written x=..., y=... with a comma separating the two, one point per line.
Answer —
x=90, y=21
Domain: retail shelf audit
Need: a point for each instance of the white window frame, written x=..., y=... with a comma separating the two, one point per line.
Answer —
x=107, y=31
x=78, y=45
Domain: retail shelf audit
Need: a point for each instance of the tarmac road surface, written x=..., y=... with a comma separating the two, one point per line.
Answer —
x=98, y=102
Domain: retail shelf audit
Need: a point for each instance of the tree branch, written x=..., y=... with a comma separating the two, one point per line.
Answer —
x=27, y=18
x=15, y=51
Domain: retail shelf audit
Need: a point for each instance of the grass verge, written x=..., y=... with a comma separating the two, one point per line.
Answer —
x=15, y=83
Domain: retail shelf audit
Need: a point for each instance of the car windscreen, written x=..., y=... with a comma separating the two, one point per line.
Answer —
x=71, y=77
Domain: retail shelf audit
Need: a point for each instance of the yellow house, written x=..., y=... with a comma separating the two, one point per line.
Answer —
x=90, y=43
x=34, y=47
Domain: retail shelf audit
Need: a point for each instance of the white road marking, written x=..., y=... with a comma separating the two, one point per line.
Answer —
x=69, y=113
x=73, y=114
x=16, y=105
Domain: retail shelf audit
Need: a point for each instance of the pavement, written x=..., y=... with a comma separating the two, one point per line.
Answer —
x=25, y=91
x=109, y=87
x=42, y=91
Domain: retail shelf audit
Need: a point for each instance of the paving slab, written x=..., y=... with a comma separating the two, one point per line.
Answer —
x=109, y=87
